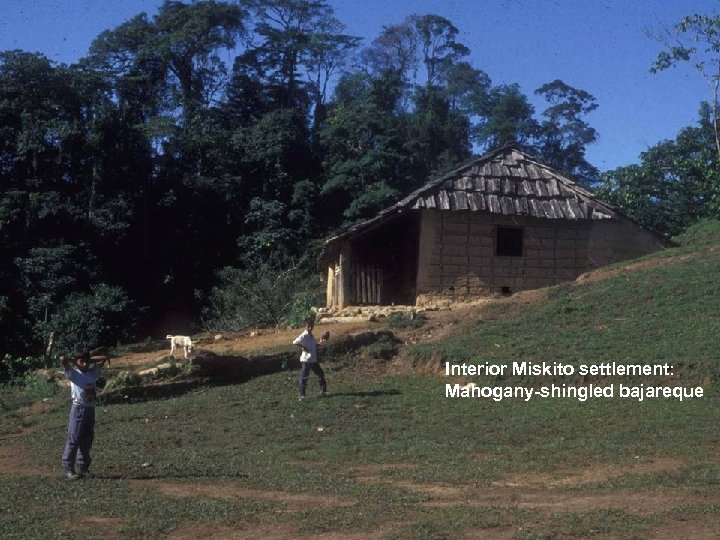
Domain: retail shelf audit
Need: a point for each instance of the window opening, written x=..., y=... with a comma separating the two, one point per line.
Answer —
x=509, y=242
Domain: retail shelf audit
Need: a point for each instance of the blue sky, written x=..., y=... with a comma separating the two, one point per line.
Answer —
x=600, y=46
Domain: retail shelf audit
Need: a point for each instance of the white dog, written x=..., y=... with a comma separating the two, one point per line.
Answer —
x=180, y=341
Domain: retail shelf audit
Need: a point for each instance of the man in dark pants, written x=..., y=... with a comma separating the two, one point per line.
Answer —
x=81, y=424
x=309, y=358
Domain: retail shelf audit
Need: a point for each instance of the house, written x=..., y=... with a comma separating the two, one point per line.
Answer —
x=499, y=224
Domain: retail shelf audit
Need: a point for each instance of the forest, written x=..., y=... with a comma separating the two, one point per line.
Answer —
x=154, y=187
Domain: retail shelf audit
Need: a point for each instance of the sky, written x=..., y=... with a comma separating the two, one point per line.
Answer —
x=600, y=46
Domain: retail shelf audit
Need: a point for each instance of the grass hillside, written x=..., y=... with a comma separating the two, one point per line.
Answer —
x=389, y=456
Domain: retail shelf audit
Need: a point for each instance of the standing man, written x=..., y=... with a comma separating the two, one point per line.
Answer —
x=309, y=358
x=81, y=424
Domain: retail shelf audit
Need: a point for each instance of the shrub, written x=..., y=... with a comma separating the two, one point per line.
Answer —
x=14, y=368
x=86, y=320
x=267, y=293
x=383, y=349
x=406, y=320
x=24, y=390
x=301, y=307
x=123, y=379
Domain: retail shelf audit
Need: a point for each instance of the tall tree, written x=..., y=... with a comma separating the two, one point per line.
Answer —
x=175, y=54
x=676, y=183
x=506, y=116
x=564, y=134
x=395, y=49
x=363, y=139
x=328, y=52
x=39, y=117
x=440, y=50
x=302, y=45
x=696, y=42
x=285, y=29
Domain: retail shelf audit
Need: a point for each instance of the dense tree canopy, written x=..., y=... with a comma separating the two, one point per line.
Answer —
x=214, y=136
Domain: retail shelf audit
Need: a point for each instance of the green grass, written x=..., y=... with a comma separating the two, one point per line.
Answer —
x=256, y=435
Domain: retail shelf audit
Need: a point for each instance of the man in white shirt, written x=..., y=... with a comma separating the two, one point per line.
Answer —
x=81, y=425
x=309, y=358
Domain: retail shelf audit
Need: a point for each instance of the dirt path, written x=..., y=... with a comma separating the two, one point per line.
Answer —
x=291, y=502
x=439, y=325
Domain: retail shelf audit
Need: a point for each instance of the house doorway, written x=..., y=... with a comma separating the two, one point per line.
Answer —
x=383, y=266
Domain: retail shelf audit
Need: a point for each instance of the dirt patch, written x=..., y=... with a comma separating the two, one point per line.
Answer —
x=509, y=533
x=209, y=532
x=548, y=498
x=40, y=407
x=374, y=473
x=591, y=474
x=693, y=529
x=99, y=526
x=439, y=324
x=14, y=463
x=550, y=501
x=544, y=492
x=293, y=501
x=605, y=273
x=435, y=491
x=238, y=343
x=281, y=531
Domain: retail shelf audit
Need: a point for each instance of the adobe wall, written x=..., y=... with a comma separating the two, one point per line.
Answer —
x=457, y=258
x=613, y=241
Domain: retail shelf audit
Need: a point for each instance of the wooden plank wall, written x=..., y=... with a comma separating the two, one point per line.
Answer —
x=366, y=284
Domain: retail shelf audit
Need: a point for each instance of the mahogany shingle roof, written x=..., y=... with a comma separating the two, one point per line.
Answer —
x=509, y=182
x=505, y=181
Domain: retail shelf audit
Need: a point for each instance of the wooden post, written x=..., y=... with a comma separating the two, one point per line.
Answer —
x=330, y=289
x=378, y=284
x=341, y=281
x=363, y=287
x=344, y=283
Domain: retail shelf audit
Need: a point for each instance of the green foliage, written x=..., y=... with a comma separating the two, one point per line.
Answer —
x=406, y=320
x=99, y=317
x=264, y=293
x=176, y=52
x=122, y=379
x=24, y=391
x=507, y=117
x=564, y=135
x=301, y=307
x=50, y=274
x=363, y=146
x=676, y=183
x=15, y=368
x=696, y=42
x=382, y=349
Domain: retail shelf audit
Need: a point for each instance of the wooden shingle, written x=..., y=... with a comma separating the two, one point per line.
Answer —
x=461, y=202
